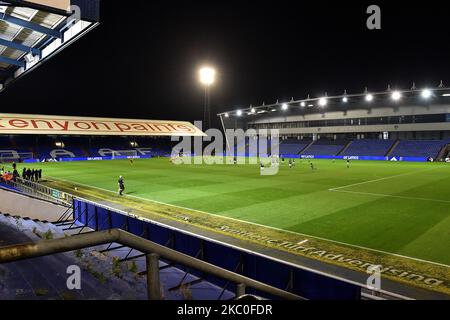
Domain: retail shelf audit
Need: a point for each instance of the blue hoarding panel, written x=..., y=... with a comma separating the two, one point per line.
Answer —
x=136, y=227
x=160, y=235
x=304, y=283
x=318, y=287
x=102, y=219
x=119, y=221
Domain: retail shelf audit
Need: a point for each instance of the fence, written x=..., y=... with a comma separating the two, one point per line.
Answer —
x=153, y=253
x=294, y=279
x=40, y=191
x=297, y=280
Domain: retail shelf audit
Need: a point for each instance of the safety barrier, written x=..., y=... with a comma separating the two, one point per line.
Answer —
x=153, y=254
x=40, y=191
x=295, y=279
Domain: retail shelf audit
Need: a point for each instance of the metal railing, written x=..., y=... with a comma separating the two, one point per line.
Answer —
x=41, y=191
x=153, y=253
x=49, y=194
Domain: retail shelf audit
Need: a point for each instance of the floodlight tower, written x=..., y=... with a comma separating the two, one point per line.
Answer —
x=207, y=77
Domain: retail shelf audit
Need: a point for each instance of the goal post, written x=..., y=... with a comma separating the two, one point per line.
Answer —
x=14, y=156
x=124, y=154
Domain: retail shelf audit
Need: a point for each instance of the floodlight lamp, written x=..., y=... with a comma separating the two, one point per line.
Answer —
x=369, y=97
x=426, y=93
x=207, y=76
x=396, y=95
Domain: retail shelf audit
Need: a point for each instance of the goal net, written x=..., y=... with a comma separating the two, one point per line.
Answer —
x=13, y=156
x=124, y=154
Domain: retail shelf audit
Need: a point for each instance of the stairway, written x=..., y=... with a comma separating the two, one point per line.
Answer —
x=391, y=149
x=443, y=153
x=109, y=271
x=345, y=148
x=307, y=147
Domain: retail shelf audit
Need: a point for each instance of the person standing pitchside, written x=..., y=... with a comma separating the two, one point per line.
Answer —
x=121, y=186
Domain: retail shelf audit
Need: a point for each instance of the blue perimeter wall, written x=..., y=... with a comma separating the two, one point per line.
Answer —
x=293, y=156
x=410, y=159
x=286, y=277
x=92, y=158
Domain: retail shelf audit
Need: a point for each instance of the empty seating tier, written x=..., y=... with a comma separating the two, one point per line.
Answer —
x=370, y=148
x=419, y=148
x=325, y=148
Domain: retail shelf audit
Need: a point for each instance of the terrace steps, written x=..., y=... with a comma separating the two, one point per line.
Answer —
x=307, y=147
x=443, y=153
x=391, y=149
x=45, y=277
x=345, y=148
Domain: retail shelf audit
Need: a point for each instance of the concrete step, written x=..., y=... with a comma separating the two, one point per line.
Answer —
x=104, y=274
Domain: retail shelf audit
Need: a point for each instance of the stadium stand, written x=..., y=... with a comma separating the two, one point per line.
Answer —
x=109, y=271
x=80, y=147
x=293, y=146
x=325, y=147
x=419, y=148
x=14, y=148
x=376, y=148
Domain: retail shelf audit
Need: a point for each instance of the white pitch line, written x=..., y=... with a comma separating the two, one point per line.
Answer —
x=265, y=226
x=380, y=179
x=390, y=196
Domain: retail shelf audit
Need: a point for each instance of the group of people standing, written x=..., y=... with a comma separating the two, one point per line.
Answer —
x=32, y=174
x=27, y=174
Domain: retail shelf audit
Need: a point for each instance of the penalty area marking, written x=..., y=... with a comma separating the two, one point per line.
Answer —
x=261, y=225
x=390, y=196
x=339, y=189
x=380, y=179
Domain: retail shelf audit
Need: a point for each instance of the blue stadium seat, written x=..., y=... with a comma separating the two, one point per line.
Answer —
x=293, y=146
x=370, y=148
x=325, y=148
x=419, y=148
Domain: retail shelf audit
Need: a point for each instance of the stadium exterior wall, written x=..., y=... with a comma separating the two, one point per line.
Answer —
x=358, y=113
x=369, y=128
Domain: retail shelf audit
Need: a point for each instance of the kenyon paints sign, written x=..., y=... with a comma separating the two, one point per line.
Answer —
x=40, y=124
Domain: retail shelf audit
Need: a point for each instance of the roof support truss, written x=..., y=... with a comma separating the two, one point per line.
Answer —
x=21, y=47
x=12, y=62
x=30, y=25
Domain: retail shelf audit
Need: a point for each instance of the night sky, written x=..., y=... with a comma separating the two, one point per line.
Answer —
x=142, y=60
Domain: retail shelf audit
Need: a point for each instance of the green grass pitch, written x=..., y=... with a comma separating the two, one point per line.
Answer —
x=397, y=207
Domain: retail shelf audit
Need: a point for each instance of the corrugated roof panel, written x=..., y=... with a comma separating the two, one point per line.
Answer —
x=21, y=12
x=30, y=38
x=8, y=31
x=23, y=35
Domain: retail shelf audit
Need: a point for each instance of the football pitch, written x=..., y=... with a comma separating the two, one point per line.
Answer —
x=395, y=207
